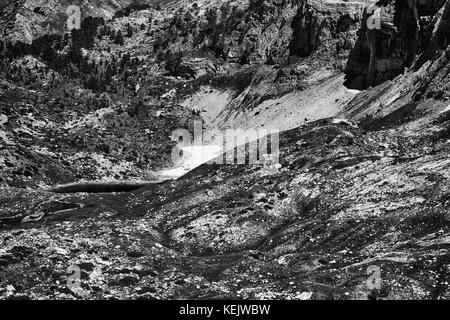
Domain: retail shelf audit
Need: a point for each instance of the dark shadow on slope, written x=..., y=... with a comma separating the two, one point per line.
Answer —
x=100, y=187
x=403, y=115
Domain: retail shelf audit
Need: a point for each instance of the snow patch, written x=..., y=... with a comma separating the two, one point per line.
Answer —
x=445, y=110
x=353, y=91
x=193, y=157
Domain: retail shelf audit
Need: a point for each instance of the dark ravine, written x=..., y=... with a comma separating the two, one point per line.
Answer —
x=101, y=187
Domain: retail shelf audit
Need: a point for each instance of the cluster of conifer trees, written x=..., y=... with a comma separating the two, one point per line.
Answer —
x=63, y=53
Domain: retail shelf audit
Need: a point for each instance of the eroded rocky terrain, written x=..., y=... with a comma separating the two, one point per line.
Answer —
x=363, y=181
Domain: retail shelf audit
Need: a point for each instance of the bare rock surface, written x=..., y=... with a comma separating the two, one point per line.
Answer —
x=363, y=179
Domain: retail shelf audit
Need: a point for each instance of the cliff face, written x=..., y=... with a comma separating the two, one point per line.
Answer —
x=249, y=31
x=382, y=54
x=425, y=77
x=272, y=48
x=257, y=31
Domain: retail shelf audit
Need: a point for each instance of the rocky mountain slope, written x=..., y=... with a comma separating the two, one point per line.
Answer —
x=26, y=20
x=407, y=29
x=168, y=61
x=363, y=180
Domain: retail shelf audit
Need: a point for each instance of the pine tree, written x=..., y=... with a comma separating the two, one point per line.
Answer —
x=119, y=38
x=173, y=61
x=129, y=31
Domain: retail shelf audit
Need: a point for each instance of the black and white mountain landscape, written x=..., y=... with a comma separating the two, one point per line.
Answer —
x=225, y=149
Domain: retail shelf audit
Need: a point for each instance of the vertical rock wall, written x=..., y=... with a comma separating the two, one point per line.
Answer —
x=382, y=54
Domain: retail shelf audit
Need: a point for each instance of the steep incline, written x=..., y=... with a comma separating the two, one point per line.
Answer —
x=407, y=29
x=423, y=89
x=146, y=71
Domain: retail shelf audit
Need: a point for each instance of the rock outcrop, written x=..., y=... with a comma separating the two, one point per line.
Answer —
x=382, y=54
x=425, y=78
